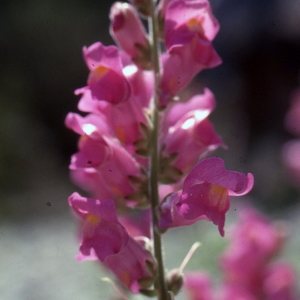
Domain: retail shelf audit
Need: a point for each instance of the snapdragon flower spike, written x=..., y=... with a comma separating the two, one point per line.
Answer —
x=186, y=20
x=104, y=238
x=102, y=165
x=129, y=33
x=181, y=64
x=106, y=72
x=186, y=129
x=205, y=195
x=254, y=242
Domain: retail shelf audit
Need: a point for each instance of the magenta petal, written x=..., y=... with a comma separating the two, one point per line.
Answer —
x=101, y=83
x=106, y=239
x=249, y=187
x=207, y=200
x=106, y=72
x=123, y=119
x=92, y=181
x=101, y=231
x=88, y=104
x=205, y=195
x=170, y=216
x=100, y=55
x=193, y=135
x=91, y=154
x=168, y=213
x=87, y=125
x=104, y=209
x=126, y=28
x=213, y=170
x=186, y=19
x=129, y=265
x=205, y=103
x=103, y=236
x=182, y=63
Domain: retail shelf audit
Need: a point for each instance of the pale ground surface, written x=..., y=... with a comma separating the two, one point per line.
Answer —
x=37, y=260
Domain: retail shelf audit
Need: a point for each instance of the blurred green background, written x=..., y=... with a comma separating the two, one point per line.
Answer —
x=41, y=65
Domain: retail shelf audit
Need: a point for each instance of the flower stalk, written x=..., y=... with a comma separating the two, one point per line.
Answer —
x=160, y=284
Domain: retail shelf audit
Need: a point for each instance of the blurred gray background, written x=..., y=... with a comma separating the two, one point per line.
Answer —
x=41, y=65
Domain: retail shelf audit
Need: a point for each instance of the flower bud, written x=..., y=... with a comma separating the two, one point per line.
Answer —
x=128, y=31
x=174, y=281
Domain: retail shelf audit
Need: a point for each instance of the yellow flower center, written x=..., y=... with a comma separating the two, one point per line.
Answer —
x=125, y=278
x=116, y=190
x=195, y=25
x=97, y=74
x=120, y=133
x=92, y=219
x=218, y=196
x=100, y=70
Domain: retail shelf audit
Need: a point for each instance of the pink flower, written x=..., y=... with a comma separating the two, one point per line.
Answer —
x=125, y=118
x=186, y=20
x=205, y=195
x=88, y=125
x=106, y=80
x=102, y=166
x=198, y=286
x=189, y=29
x=253, y=243
x=104, y=238
x=280, y=282
x=182, y=63
x=205, y=103
x=186, y=129
x=128, y=31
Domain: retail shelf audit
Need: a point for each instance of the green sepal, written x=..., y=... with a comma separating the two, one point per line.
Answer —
x=149, y=293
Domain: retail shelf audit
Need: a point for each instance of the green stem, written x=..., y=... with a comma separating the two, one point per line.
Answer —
x=160, y=283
